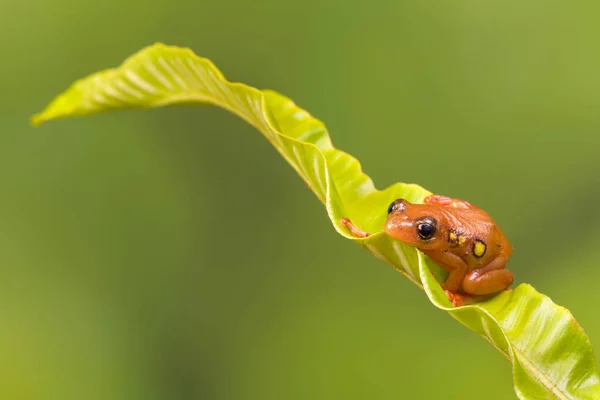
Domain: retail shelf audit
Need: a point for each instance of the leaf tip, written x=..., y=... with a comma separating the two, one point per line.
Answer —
x=62, y=106
x=44, y=116
x=37, y=119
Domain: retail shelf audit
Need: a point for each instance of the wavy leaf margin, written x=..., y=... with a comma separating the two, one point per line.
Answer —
x=551, y=355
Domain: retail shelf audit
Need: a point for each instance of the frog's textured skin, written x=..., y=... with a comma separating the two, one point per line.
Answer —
x=459, y=237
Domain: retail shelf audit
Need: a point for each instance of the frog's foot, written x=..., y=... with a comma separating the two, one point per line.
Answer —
x=460, y=299
x=455, y=298
x=444, y=201
x=353, y=229
x=463, y=299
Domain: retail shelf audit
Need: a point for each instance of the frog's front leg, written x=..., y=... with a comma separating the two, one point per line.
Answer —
x=456, y=267
x=353, y=229
x=457, y=270
x=490, y=279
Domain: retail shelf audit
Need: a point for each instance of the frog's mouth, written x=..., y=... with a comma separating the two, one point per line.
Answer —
x=402, y=228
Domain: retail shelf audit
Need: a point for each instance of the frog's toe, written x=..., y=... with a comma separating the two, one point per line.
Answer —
x=455, y=298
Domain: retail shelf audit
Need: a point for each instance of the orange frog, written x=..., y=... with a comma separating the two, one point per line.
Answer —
x=459, y=237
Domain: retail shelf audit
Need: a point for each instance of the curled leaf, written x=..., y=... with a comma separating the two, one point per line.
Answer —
x=551, y=355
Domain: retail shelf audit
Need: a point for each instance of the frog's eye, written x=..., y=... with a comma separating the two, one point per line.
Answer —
x=426, y=228
x=391, y=207
x=397, y=205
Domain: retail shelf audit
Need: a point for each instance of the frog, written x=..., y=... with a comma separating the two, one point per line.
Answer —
x=459, y=237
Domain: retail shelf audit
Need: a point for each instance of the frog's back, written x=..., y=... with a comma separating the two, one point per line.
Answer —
x=474, y=236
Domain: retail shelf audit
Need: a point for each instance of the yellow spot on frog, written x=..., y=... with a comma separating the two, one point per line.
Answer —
x=456, y=239
x=453, y=239
x=479, y=248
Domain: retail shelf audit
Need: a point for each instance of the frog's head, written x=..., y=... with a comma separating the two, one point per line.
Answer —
x=414, y=224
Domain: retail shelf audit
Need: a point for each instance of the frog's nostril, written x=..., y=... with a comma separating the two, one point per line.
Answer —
x=393, y=225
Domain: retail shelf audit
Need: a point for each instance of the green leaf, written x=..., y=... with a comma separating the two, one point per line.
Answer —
x=551, y=355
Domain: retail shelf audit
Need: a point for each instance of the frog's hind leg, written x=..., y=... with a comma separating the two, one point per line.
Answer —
x=483, y=283
x=492, y=278
x=436, y=199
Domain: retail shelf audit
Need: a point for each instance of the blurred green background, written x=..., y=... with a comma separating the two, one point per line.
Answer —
x=118, y=280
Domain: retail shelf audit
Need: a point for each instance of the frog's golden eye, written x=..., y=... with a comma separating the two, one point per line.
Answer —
x=426, y=228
